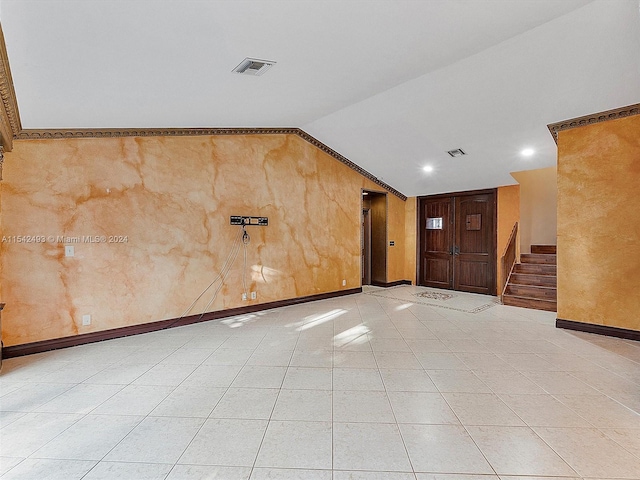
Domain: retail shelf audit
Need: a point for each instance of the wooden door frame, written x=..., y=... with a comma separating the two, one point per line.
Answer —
x=419, y=214
x=386, y=230
x=366, y=234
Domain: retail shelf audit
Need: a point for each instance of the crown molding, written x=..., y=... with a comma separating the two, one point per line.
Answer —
x=46, y=134
x=9, y=117
x=614, y=114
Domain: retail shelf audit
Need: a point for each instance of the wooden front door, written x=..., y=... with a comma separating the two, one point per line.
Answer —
x=458, y=242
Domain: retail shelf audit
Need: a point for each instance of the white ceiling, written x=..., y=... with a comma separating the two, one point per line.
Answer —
x=390, y=84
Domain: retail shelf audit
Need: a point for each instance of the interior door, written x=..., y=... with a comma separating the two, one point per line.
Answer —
x=474, y=246
x=437, y=243
x=457, y=242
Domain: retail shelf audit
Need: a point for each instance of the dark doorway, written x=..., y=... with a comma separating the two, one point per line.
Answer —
x=457, y=239
x=374, y=238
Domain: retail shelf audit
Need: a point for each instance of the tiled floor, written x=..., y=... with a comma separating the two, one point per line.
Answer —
x=364, y=387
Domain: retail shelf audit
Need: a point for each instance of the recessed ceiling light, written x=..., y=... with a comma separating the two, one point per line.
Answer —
x=427, y=168
x=365, y=193
x=527, y=152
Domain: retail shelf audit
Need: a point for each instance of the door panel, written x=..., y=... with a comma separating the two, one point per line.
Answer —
x=475, y=264
x=437, y=243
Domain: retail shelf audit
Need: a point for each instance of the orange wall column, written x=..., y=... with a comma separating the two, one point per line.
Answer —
x=599, y=224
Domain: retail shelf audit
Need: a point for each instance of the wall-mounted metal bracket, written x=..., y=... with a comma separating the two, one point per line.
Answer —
x=242, y=220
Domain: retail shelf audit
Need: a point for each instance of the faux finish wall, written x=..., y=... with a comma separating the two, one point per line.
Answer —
x=411, y=235
x=149, y=221
x=598, y=227
x=508, y=214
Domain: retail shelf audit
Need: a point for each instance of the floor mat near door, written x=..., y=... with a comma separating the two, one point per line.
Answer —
x=433, y=297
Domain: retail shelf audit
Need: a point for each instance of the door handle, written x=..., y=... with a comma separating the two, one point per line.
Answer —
x=456, y=250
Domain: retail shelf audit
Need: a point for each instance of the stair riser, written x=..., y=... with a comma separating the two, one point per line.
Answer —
x=543, y=249
x=537, y=259
x=540, y=280
x=535, y=269
x=529, y=303
x=541, y=293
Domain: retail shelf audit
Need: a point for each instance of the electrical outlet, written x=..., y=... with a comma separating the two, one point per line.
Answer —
x=244, y=296
x=69, y=251
x=344, y=283
x=86, y=320
x=254, y=295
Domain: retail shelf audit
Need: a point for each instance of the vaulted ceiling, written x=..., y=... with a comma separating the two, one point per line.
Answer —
x=390, y=84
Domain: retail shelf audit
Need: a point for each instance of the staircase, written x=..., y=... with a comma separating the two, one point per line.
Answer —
x=532, y=283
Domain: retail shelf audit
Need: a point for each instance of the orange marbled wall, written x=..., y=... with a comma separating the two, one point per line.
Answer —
x=396, y=234
x=599, y=223
x=171, y=197
x=508, y=215
x=411, y=235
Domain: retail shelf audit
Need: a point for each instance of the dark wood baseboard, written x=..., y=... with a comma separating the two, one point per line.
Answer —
x=391, y=284
x=598, y=329
x=64, y=342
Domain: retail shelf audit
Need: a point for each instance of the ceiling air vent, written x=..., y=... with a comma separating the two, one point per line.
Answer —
x=458, y=152
x=253, y=66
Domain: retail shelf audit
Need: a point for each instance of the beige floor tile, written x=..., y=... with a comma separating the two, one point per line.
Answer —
x=341, y=475
x=34, y=430
x=628, y=438
x=308, y=378
x=135, y=400
x=591, y=453
x=249, y=403
x=561, y=383
x=443, y=449
x=369, y=446
x=407, y=381
x=399, y=360
x=213, y=375
x=118, y=470
x=356, y=406
x=482, y=409
x=508, y=382
x=38, y=469
x=254, y=376
x=7, y=463
x=189, y=401
x=91, y=438
x=422, y=407
x=460, y=381
x=354, y=360
x=543, y=411
x=156, y=440
x=228, y=356
x=518, y=451
x=200, y=472
x=441, y=361
x=290, y=474
x=229, y=442
x=289, y=444
x=601, y=411
x=307, y=405
x=357, y=379
x=483, y=361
